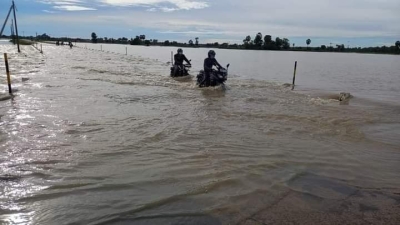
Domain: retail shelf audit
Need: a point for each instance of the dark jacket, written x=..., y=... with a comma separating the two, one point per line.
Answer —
x=180, y=58
x=209, y=63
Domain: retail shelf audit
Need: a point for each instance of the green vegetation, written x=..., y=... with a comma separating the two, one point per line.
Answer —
x=308, y=42
x=260, y=42
x=94, y=37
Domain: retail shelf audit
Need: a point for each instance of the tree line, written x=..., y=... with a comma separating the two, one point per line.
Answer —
x=259, y=42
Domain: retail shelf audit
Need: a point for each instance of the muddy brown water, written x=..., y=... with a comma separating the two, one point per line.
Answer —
x=106, y=138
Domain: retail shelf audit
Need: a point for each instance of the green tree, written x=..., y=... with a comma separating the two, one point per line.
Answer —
x=147, y=42
x=258, y=40
x=268, y=42
x=267, y=39
x=224, y=45
x=308, y=42
x=191, y=42
x=197, y=41
x=166, y=43
x=94, y=37
x=278, y=42
x=247, y=41
x=285, y=43
x=136, y=41
x=340, y=48
x=397, y=44
x=323, y=47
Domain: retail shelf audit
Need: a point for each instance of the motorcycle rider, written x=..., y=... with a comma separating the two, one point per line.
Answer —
x=179, y=58
x=208, y=64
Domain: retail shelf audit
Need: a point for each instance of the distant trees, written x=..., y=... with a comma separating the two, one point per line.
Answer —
x=267, y=39
x=136, y=41
x=285, y=44
x=247, y=41
x=258, y=41
x=308, y=42
x=278, y=42
x=265, y=43
x=94, y=37
x=340, y=48
x=43, y=37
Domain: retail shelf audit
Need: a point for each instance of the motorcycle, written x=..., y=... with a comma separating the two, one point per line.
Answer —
x=182, y=70
x=217, y=77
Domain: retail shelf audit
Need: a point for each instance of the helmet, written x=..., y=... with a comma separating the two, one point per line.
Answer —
x=180, y=50
x=211, y=53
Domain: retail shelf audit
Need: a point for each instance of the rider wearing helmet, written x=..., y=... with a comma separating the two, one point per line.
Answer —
x=208, y=64
x=179, y=58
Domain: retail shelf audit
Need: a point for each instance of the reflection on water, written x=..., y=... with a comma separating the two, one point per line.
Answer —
x=100, y=138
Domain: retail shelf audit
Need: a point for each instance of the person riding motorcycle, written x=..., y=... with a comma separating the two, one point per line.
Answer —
x=208, y=64
x=179, y=58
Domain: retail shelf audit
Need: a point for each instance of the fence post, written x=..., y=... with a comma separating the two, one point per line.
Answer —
x=294, y=74
x=126, y=50
x=8, y=73
x=41, y=49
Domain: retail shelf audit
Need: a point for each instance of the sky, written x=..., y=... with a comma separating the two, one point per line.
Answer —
x=354, y=23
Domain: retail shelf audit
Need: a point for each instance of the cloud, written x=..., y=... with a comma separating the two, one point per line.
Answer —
x=234, y=19
x=177, y=4
x=48, y=11
x=67, y=5
x=73, y=8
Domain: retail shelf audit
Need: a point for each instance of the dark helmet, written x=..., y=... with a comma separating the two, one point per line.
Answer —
x=180, y=50
x=211, y=53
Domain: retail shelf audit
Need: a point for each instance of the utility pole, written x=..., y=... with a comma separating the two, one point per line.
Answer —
x=12, y=32
x=5, y=22
x=16, y=26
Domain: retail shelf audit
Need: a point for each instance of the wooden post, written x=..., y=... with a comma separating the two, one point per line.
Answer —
x=294, y=74
x=126, y=50
x=41, y=49
x=8, y=74
x=101, y=47
x=172, y=58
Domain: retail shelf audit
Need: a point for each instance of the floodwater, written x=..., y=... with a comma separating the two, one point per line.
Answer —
x=100, y=137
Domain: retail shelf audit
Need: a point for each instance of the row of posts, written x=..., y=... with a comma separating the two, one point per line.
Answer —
x=101, y=49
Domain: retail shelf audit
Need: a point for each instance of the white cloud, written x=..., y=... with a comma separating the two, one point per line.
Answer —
x=67, y=5
x=166, y=9
x=73, y=8
x=234, y=19
x=48, y=11
x=177, y=4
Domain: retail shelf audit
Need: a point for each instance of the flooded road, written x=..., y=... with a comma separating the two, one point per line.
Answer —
x=106, y=138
